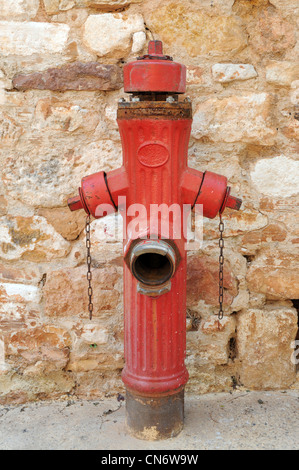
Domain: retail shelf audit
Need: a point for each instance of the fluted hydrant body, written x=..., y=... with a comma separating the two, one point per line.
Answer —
x=156, y=182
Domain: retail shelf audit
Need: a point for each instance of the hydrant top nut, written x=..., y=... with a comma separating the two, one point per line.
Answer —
x=155, y=73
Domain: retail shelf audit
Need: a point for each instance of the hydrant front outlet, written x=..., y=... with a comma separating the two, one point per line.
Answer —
x=155, y=127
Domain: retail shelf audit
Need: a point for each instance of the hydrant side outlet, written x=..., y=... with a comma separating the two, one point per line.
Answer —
x=155, y=128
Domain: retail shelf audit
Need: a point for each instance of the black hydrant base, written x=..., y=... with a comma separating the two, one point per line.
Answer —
x=155, y=418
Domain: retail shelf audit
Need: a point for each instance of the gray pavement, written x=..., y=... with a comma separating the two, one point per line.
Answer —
x=241, y=420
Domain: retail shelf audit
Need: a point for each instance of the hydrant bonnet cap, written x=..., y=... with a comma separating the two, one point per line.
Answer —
x=155, y=73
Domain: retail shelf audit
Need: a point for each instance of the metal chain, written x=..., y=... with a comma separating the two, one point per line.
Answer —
x=221, y=266
x=88, y=258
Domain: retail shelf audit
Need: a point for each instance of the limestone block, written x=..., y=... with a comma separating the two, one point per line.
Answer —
x=94, y=334
x=55, y=6
x=276, y=177
x=225, y=73
x=10, y=130
x=290, y=7
x=27, y=273
x=53, y=176
x=51, y=6
x=18, y=9
x=139, y=41
x=245, y=118
x=20, y=388
x=210, y=344
x=65, y=292
x=275, y=273
x=111, y=34
x=5, y=85
x=107, y=239
x=3, y=206
x=237, y=222
x=65, y=116
x=25, y=39
x=294, y=97
x=94, y=385
x=272, y=34
x=292, y=130
x=184, y=24
x=283, y=210
x=106, y=152
x=94, y=349
x=32, y=340
x=68, y=224
x=220, y=6
x=107, y=4
x=195, y=75
x=264, y=339
x=16, y=316
x=203, y=281
x=282, y=73
x=37, y=350
x=101, y=361
x=20, y=293
x=252, y=241
x=30, y=238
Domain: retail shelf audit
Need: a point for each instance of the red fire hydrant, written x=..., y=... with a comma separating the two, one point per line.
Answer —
x=155, y=128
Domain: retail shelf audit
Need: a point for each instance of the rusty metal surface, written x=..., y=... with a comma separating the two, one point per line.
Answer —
x=155, y=418
x=154, y=110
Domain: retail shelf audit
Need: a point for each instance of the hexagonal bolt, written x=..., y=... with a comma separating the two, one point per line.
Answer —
x=155, y=47
x=170, y=99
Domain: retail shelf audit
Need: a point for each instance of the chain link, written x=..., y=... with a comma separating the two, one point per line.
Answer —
x=89, y=274
x=221, y=267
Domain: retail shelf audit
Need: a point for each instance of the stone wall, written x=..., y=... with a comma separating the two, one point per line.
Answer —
x=60, y=81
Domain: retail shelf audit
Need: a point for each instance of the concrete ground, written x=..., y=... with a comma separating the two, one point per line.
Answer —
x=241, y=420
